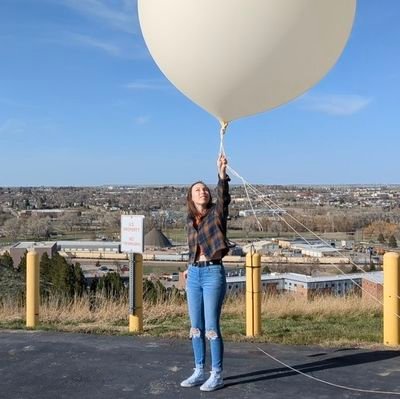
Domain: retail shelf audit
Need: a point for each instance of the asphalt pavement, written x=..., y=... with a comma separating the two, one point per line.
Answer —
x=44, y=365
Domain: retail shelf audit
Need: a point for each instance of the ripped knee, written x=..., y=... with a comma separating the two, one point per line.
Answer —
x=194, y=332
x=211, y=334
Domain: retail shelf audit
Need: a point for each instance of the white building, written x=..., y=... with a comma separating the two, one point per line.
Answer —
x=308, y=286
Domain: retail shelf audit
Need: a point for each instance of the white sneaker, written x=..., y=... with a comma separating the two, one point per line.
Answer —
x=197, y=378
x=214, y=382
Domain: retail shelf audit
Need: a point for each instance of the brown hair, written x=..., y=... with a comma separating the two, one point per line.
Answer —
x=192, y=210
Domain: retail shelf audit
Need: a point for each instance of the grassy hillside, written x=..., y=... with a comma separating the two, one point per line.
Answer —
x=330, y=321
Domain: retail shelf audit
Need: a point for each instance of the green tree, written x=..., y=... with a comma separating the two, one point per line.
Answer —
x=93, y=285
x=112, y=285
x=92, y=293
x=392, y=242
x=354, y=269
x=154, y=292
x=12, y=286
x=381, y=238
x=22, y=266
x=79, y=280
x=61, y=276
x=46, y=277
x=372, y=266
x=266, y=270
x=6, y=260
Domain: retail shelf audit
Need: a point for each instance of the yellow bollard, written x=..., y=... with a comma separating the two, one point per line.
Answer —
x=391, y=302
x=257, y=293
x=249, y=295
x=253, y=294
x=32, y=289
x=136, y=319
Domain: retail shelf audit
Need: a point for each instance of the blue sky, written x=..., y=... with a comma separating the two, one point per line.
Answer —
x=82, y=103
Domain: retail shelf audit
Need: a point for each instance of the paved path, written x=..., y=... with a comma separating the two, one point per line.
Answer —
x=48, y=365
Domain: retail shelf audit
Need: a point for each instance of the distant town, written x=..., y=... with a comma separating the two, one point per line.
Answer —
x=310, y=230
x=94, y=212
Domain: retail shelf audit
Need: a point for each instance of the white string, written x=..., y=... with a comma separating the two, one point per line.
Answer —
x=224, y=126
x=324, y=381
x=277, y=207
x=248, y=196
x=254, y=212
x=310, y=231
x=292, y=228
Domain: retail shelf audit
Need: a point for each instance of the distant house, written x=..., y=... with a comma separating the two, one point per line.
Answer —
x=17, y=251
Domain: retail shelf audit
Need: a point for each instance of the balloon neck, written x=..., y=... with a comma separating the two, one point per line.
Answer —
x=224, y=125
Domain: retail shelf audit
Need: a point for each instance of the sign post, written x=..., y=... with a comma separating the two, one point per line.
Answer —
x=132, y=243
x=132, y=302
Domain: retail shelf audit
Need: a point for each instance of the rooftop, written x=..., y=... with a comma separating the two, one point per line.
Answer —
x=34, y=244
x=376, y=277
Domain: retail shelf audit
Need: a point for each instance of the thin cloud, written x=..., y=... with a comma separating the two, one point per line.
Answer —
x=117, y=14
x=336, y=105
x=88, y=41
x=146, y=85
x=118, y=47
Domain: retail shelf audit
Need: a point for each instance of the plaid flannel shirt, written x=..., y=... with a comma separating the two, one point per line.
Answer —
x=210, y=234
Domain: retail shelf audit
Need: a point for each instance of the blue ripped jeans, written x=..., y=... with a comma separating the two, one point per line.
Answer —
x=206, y=287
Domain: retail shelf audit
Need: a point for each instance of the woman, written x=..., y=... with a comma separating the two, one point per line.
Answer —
x=206, y=281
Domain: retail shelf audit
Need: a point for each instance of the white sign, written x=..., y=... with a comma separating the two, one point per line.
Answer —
x=132, y=240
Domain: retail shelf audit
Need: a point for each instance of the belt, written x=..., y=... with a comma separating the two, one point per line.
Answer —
x=205, y=263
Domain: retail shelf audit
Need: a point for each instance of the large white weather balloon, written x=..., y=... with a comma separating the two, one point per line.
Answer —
x=240, y=57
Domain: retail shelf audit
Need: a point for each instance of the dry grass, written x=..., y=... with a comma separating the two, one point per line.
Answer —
x=83, y=314
x=321, y=306
x=286, y=319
